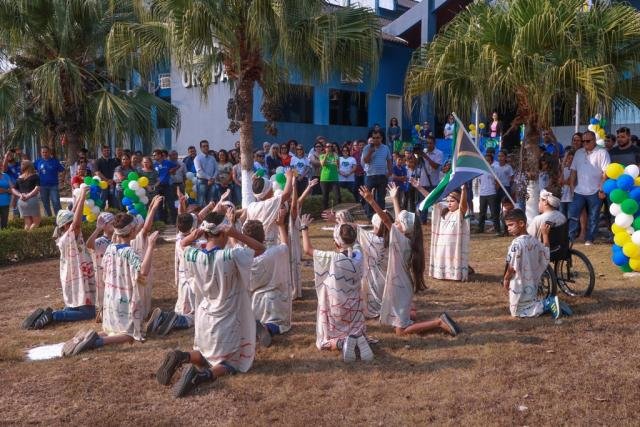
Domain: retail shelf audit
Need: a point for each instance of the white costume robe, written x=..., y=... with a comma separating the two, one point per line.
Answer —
x=123, y=286
x=269, y=286
x=99, y=247
x=139, y=245
x=77, y=275
x=398, y=290
x=450, y=235
x=337, y=281
x=225, y=328
x=375, y=270
x=529, y=258
x=266, y=212
x=295, y=257
x=186, y=301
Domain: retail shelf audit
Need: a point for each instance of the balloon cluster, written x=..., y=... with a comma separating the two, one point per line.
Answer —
x=93, y=203
x=191, y=185
x=472, y=129
x=135, y=195
x=596, y=125
x=279, y=179
x=623, y=189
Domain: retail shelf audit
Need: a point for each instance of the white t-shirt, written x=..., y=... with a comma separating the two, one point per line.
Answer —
x=434, y=173
x=589, y=169
x=487, y=184
x=504, y=173
x=346, y=166
x=301, y=165
x=567, y=194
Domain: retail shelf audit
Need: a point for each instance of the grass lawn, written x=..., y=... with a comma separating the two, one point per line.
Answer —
x=581, y=370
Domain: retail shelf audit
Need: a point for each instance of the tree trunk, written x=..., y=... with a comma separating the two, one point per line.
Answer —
x=245, y=100
x=73, y=144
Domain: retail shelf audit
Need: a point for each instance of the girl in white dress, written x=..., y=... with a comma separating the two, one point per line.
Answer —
x=124, y=277
x=225, y=328
x=405, y=271
x=97, y=247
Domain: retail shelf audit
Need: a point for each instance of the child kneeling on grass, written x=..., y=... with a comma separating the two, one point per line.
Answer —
x=124, y=276
x=77, y=275
x=527, y=260
x=225, y=328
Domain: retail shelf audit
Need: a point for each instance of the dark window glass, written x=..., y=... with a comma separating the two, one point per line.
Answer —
x=348, y=108
x=296, y=105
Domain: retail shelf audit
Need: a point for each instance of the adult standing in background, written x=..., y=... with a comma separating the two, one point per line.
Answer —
x=26, y=189
x=300, y=162
x=5, y=197
x=625, y=152
x=177, y=181
x=49, y=169
x=329, y=175
x=314, y=160
x=377, y=128
x=120, y=174
x=206, y=171
x=495, y=127
x=424, y=132
x=223, y=179
x=105, y=167
x=394, y=133
x=377, y=157
x=273, y=159
x=189, y=159
x=165, y=169
x=449, y=127
x=356, y=153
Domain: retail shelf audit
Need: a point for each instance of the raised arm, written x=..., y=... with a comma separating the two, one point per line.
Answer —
x=153, y=207
x=282, y=226
x=306, y=193
x=182, y=201
x=76, y=225
x=393, y=192
x=146, y=261
x=415, y=183
x=288, y=186
x=464, y=206
x=305, y=220
x=367, y=195
x=294, y=202
x=252, y=243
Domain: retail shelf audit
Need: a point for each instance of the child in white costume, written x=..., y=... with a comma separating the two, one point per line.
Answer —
x=267, y=205
x=97, y=246
x=340, y=323
x=77, y=275
x=405, y=271
x=124, y=276
x=225, y=328
x=527, y=259
x=295, y=249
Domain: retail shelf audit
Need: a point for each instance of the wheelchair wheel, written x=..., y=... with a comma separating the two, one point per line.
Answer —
x=548, y=283
x=576, y=276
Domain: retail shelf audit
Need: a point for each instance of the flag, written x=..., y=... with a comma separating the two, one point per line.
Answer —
x=466, y=164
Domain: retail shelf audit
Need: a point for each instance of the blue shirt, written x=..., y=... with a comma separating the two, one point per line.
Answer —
x=48, y=171
x=206, y=166
x=401, y=171
x=5, y=184
x=378, y=162
x=14, y=170
x=188, y=163
x=164, y=177
x=551, y=149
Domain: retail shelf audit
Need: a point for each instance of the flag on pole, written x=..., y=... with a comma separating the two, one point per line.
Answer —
x=466, y=164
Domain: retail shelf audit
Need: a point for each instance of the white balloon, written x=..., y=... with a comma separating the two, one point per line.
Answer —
x=598, y=117
x=133, y=185
x=83, y=186
x=632, y=170
x=615, y=209
x=630, y=230
x=279, y=169
x=76, y=192
x=624, y=220
x=635, y=237
x=144, y=199
x=140, y=192
x=600, y=142
x=592, y=128
x=90, y=203
x=190, y=175
x=97, y=177
x=95, y=210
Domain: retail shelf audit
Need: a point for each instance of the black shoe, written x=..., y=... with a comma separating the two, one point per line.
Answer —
x=31, y=319
x=151, y=325
x=45, y=319
x=190, y=379
x=166, y=324
x=172, y=361
x=453, y=327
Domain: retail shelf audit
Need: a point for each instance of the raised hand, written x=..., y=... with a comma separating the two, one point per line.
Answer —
x=366, y=194
x=305, y=220
x=152, y=238
x=415, y=182
x=313, y=183
x=393, y=190
x=225, y=195
x=282, y=215
x=329, y=216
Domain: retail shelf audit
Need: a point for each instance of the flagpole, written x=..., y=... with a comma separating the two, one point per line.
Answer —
x=483, y=159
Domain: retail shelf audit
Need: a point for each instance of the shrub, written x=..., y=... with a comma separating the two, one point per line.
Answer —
x=313, y=204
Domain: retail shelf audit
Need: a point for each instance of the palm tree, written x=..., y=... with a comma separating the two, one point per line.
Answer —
x=531, y=54
x=57, y=85
x=261, y=42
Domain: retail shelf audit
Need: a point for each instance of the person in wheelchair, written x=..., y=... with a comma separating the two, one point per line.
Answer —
x=548, y=205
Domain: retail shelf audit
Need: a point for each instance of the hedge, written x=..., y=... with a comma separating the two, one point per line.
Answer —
x=20, y=245
x=313, y=204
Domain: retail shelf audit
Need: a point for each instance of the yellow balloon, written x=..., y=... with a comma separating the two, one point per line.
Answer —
x=481, y=125
x=86, y=210
x=472, y=127
x=615, y=229
x=143, y=181
x=621, y=239
x=634, y=263
x=614, y=170
x=104, y=185
x=91, y=217
x=631, y=250
x=636, y=181
x=418, y=127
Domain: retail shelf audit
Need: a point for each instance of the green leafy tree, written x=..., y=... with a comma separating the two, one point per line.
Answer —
x=57, y=84
x=259, y=42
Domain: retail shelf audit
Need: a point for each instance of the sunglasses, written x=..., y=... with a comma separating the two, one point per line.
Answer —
x=588, y=140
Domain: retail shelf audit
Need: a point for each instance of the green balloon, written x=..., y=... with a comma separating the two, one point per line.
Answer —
x=133, y=176
x=618, y=196
x=629, y=206
x=125, y=183
x=139, y=207
x=95, y=181
x=88, y=180
x=636, y=223
x=129, y=193
x=626, y=268
x=134, y=197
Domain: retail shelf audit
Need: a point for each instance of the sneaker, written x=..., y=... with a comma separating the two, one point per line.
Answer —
x=69, y=346
x=31, y=319
x=349, y=349
x=565, y=309
x=554, y=306
x=45, y=319
x=451, y=325
x=190, y=379
x=168, y=319
x=154, y=320
x=172, y=361
x=263, y=337
x=363, y=346
x=588, y=243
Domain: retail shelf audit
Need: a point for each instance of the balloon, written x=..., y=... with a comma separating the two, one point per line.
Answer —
x=600, y=142
x=135, y=212
x=593, y=121
x=615, y=209
x=133, y=185
x=417, y=128
x=632, y=170
x=260, y=172
x=616, y=248
x=126, y=201
x=140, y=192
x=618, y=196
x=634, y=263
x=133, y=176
x=625, y=182
x=636, y=182
x=592, y=128
x=621, y=239
x=88, y=180
x=89, y=203
x=125, y=184
x=104, y=185
x=614, y=170
x=615, y=228
x=635, y=194
x=144, y=200
x=619, y=259
x=189, y=175
x=603, y=122
x=626, y=268
x=481, y=125
x=140, y=207
x=134, y=198
x=636, y=223
x=128, y=193
x=99, y=203
x=629, y=206
x=96, y=182
x=91, y=217
x=143, y=181
x=609, y=185
x=635, y=237
x=76, y=192
x=624, y=220
x=472, y=127
x=86, y=210
x=83, y=185
x=630, y=230
x=631, y=250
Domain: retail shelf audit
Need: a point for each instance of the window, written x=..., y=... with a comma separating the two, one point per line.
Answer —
x=348, y=108
x=296, y=105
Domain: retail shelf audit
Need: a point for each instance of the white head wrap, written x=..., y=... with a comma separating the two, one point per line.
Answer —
x=64, y=217
x=126, y=230
x=211, y=227
x=407, y=219
x=550, y=198
x=265, y=189
x=338, y=239
x=105, y=218
x=376, y=221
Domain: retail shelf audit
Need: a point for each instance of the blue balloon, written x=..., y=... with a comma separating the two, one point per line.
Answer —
x=635, y=194
x=625, y=182
x=616, y=249
x=619, y=259
x=594, y=121
x=126, y=201
x=610, y=185
x=135, y=212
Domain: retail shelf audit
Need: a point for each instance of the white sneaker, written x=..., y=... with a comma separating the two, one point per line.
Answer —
x=349, y=349
x=365, y=350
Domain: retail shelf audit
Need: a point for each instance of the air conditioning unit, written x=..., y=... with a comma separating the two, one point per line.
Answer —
x=351, y=79
x=165, y=81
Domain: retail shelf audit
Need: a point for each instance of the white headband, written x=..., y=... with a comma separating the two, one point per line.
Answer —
x=407, y=219
x=550, y=198
x=265, y=189
x=338, y=238
x=126, y=230
x=376, y=221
